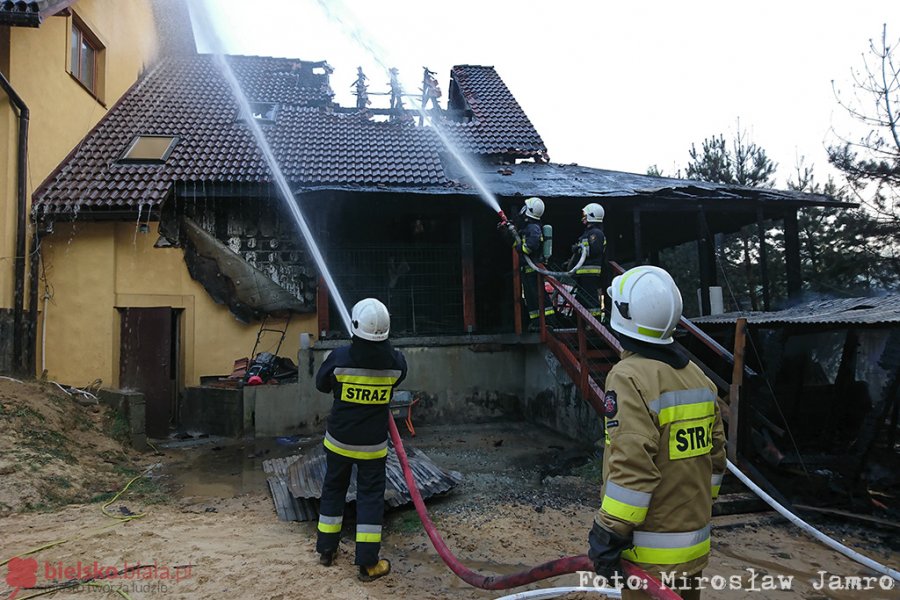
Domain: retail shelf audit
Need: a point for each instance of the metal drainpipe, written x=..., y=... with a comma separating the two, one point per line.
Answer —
x=29, y=353
x=21, y=177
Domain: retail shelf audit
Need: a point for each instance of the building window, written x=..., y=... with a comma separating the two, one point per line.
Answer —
x=149, y=149
x=86, y=55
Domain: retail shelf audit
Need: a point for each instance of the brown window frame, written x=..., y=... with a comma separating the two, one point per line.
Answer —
x=81, y=35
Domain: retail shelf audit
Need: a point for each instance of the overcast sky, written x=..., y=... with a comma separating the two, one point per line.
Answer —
x=613, y=85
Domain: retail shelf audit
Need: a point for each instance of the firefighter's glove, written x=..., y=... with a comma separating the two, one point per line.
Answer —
x=605, y=551
x=508, y=230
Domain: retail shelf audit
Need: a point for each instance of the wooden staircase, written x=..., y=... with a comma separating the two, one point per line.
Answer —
x=587, y=350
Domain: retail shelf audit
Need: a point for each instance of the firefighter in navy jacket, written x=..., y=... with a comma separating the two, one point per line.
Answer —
x=587, y=276
x=531, y=238
x=362, y=378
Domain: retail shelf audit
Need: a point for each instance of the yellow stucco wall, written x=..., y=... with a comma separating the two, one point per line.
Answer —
x=62, y=111
x=95, y=268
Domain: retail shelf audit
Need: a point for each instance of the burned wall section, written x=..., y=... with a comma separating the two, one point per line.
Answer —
x=246, y=252
x=826, y=381
x=268, y=239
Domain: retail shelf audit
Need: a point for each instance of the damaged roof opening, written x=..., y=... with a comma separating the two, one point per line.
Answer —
x=263, y=112
x=149, y=149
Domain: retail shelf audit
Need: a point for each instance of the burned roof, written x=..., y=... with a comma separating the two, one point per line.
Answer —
x=552, y=180
x=188, y=97
x=29, y=13
x=883, y=310
x=322, y=147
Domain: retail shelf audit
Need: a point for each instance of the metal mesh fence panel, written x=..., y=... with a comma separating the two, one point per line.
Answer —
x=421, y=285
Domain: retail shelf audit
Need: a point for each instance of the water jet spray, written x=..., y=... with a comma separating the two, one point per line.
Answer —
x=203, y=13
x=360, y=38
x=550, y=569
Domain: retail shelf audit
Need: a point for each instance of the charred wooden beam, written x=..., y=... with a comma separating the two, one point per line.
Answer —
x=792, y=254
x=737, y=426
x=468, y=273
x=763, y=259
x=706, y=251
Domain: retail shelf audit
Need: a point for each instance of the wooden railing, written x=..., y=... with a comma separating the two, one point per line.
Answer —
x=586, y=351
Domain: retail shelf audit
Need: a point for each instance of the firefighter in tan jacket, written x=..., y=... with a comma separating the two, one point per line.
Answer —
x=665, y=444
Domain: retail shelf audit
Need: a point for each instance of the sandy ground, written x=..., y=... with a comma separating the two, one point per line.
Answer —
x=512, y=510
x=54, y=451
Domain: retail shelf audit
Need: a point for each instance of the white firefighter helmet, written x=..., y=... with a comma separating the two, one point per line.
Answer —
x=646, y=304
x=534, y=208
x=370, y=320
x=593, y=213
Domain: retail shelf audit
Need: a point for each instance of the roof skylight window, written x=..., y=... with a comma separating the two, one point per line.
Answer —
x=149, y=149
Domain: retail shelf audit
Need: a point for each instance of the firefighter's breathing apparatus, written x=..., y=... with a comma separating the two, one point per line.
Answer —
x=547, y=232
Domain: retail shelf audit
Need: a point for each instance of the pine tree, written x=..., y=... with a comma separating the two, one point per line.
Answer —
x=741, y=162
x=871, y=165
x=747, y=164
x=843, y=250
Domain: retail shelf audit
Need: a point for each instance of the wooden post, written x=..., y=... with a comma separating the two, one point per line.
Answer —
x=707, y=261
x=323, y=301
x=468, y=273
x=792, y=254
x=582, y=358
x=763, y=260
x=323, y=296
x=517, y=293
x=540, y=299
x=737, y=381
x=638, y=242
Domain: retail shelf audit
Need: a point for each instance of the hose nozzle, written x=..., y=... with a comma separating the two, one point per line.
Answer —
x=503, y=219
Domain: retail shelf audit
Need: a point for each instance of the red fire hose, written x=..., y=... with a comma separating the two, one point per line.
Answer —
x=562, y=566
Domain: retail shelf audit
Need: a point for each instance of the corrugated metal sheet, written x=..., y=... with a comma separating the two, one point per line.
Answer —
x=883, y=310
x=296, y=482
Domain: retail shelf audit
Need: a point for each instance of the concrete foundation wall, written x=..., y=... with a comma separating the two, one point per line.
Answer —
x=215, y=411
x=288, y=409
x=457, y=384
x=552, y=398
x=132, y=407
x=465, y=384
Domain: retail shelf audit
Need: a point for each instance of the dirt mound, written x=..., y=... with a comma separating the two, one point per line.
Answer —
x=53, y=451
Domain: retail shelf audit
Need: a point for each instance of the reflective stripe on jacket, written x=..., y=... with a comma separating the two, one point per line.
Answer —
x=663, y=463
x=595, y=241
x=358, y=422
x=532, y=237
